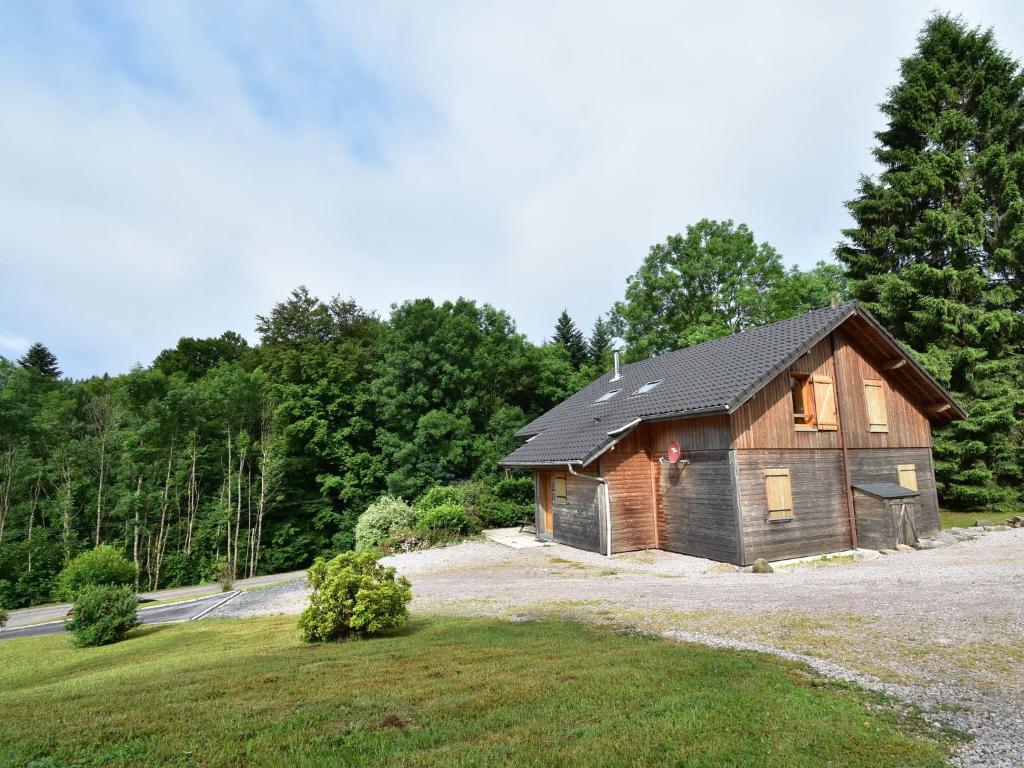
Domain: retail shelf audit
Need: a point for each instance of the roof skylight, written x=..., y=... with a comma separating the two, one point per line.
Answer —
x=647, y=387
x=607, y=396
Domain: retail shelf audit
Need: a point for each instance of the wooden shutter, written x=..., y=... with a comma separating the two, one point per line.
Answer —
x=779, y=494
x=825, y=404
x=907, y=474
x=560, y=493
x=874, y=394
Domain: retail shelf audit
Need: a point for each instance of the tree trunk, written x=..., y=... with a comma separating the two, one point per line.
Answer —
x=99, y=490
x=5, y=496
x=135, y=537
x=193, y=496
x=162, y=531
x=34, y=501
x=67, y=501
x=238, y=514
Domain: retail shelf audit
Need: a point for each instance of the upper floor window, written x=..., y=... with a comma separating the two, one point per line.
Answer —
x=607, y=396
x=803, y=400
x=647, y=387
x=814, y=402
x=874, y=395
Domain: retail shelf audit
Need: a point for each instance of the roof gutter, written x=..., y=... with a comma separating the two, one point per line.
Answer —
x=607, y=507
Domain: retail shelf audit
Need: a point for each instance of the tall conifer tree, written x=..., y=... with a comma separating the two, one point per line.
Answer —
x=600, y=344
x=41, y=360
x=937, y=249
x=570, y=337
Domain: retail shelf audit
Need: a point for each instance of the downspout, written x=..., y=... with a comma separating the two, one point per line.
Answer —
x=607, y=506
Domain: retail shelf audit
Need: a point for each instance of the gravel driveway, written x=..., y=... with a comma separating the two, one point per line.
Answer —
x=942, y=628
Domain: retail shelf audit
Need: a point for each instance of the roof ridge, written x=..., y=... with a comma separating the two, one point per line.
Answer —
x=801, y=316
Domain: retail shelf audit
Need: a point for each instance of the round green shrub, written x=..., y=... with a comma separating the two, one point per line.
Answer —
x=380, y=520
x=438, y=495
x=447, y=517
x=103, y=565
x=353, y=594
x=102, y=614
x=3, y=617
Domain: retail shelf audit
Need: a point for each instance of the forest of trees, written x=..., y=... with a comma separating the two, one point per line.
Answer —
x=262, y=457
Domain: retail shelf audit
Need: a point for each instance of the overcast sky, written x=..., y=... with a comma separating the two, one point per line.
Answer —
x=173, y=169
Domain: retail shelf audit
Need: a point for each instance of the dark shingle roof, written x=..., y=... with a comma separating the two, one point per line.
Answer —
x=885, y=490
x=714, y=377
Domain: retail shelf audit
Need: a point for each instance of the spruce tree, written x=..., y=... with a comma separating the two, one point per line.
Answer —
x=570, y=337
x=600, y=343
x=937, y=249
x=41, y=360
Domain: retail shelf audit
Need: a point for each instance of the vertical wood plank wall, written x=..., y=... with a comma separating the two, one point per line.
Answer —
x=878, y=465
x=696, y=508
x=766, y=420
x=627, y=470
x=876, y=528
x=820, y=520
x=577, y=520
x=908, y=425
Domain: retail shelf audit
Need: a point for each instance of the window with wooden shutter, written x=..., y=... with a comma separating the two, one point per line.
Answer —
x=802, y=393
x=825, y=404
x=874, y=395
x=779, y=494
x=907, y=476
x=560, y=494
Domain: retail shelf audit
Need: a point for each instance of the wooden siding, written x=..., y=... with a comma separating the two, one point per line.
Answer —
x=578, y=520
x=627, y=470
x=880, y=466
x=876, y=528
x=703, y=433
x=697, y=508
x=820, y=520
x=907, y=424
x=766, y=420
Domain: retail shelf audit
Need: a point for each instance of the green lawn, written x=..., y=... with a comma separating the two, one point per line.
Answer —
x=950, y=519
x=444, y=692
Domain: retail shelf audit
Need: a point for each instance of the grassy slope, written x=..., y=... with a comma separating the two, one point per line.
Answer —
x=458, y=692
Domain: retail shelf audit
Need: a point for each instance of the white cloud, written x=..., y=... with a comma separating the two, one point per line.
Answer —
x=522, y=155
x=12, y=345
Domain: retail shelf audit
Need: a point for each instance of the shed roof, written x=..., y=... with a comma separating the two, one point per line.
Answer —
x=885, y=490
x=714, y=377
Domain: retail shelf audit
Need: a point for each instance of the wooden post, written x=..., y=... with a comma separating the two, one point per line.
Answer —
x=842, y=443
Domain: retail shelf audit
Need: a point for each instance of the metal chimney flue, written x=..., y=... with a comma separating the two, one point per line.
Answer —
x=616, y=376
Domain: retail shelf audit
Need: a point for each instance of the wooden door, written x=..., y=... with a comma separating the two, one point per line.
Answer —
x=544, y=497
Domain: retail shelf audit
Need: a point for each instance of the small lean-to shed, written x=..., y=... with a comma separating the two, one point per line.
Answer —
x=745, y=447
x=885, y=514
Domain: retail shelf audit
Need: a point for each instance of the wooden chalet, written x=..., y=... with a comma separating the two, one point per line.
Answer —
x=806, y=436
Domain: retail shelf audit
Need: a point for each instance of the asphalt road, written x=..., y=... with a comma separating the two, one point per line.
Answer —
x=25, y=617
x=157, y=614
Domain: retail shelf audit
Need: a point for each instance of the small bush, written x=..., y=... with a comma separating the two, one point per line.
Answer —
x=104, y=565
x=103, y=614
x=222, y=574
x=380, y=520
x=447, y=517
x=353, y=594
x=438, y=496
x=3, y=617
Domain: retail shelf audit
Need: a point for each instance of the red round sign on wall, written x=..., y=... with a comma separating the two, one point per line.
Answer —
x=673, y=452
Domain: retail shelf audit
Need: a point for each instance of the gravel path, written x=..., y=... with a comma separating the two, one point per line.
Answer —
x=943, y=629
